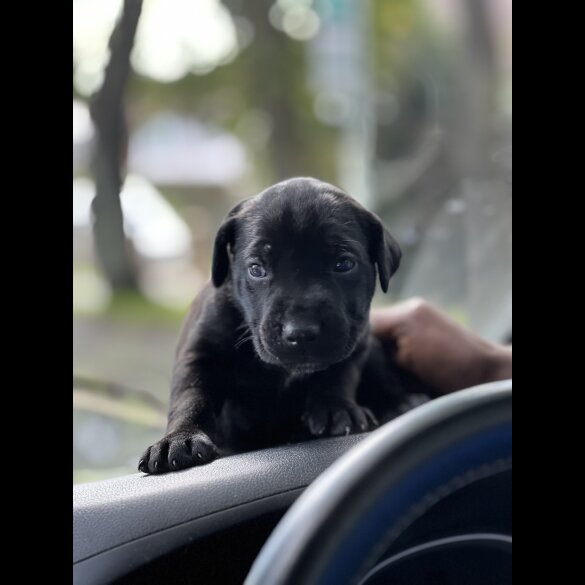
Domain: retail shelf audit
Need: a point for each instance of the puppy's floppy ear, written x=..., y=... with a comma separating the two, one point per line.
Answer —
x=224, y=238
x=384, y=249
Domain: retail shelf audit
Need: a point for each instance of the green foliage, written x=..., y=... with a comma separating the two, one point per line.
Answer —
x=134, y=308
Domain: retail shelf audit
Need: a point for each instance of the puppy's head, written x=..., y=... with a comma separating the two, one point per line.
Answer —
x=302, y=257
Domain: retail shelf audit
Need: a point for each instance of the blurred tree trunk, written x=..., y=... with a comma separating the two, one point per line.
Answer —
x=107, y=112
x=276, y=74
x=479, y=83
x=275, y=81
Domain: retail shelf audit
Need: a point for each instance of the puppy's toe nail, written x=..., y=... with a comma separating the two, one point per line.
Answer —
x=199, y=455
x=347, y=429
x=156, y=465
x=174, y=464
x=142, y=465
x=363, y=427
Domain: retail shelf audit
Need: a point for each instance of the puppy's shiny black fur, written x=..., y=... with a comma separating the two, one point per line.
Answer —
x=277, y=348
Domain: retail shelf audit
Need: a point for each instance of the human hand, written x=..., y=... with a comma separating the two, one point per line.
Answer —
x=437, y=349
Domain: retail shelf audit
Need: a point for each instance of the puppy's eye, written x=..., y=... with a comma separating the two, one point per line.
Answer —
x=344, y=264
x=257, y=271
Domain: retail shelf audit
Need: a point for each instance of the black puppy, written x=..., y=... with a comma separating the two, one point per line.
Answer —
x=278, y=348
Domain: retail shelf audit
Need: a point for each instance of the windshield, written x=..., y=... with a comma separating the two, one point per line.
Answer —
x=406, y=104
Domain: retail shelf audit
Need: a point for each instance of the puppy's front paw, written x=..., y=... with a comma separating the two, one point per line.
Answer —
x=178, y=451
x=326, y=418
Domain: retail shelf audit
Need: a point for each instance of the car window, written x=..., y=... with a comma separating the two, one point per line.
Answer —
x=406, y=104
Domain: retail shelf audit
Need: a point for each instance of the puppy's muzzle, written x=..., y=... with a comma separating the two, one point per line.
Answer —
x=300, y=332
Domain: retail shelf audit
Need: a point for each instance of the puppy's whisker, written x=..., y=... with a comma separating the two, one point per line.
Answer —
x=246, y=331
x=241, y=342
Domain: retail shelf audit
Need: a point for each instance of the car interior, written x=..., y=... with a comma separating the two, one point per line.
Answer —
x=424, y=499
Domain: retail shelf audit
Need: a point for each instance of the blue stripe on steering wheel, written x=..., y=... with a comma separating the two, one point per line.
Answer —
x=481, y=449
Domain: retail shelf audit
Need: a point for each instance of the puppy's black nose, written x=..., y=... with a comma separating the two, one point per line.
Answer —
x=295, y=332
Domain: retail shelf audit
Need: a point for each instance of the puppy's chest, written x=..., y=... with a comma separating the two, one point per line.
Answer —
x=261, y=393
x=259, y=410
x=259, y=387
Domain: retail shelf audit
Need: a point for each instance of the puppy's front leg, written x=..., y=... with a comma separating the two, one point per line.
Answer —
x=331, y=408
x=188, y=440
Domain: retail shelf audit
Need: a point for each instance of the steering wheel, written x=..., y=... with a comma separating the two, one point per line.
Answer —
x=425, y=499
